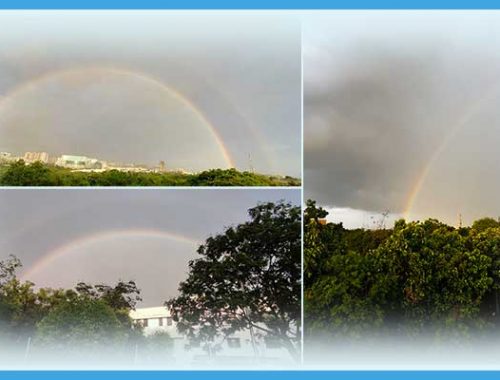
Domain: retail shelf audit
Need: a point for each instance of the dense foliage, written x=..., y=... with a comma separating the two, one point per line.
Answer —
x=87, y=317
x=79, y=322
x=246, y=278
x=38, y=174
x=417, y=278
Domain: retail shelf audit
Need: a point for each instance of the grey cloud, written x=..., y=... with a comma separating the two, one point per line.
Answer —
x=382, y=93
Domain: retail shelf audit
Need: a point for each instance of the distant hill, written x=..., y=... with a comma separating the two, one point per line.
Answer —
x=38, y=174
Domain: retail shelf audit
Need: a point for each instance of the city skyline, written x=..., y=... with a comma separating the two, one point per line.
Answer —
x=90, y=162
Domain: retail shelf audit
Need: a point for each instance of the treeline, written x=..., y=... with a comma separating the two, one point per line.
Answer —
x=38, y=174
x=416, y=279
x=83, y=323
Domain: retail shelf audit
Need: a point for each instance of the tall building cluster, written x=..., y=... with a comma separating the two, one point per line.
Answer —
x=83, y=163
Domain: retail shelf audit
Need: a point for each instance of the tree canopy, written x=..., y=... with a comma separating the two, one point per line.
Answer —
x=247, y=277
x=90, y=314
x=419, y=277
x=38, y=174
x=80, y=322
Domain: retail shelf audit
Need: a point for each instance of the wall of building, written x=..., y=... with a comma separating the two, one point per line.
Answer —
x=31, y=157
x=239, y=348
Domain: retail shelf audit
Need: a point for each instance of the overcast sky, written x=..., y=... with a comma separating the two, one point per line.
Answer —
x=106, y=235
x=401, y=114
x=131, y=86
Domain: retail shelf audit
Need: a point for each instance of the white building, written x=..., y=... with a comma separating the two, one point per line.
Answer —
x=154, y=319
x=240, y=349
x=130, y=169
x=31, y=157
x=78, y=162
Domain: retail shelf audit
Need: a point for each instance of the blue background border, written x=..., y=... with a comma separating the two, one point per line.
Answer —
x=249, y=4
x=251, y=375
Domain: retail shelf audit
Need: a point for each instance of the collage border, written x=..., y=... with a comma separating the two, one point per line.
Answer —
x=264, y=5
x=249, y=4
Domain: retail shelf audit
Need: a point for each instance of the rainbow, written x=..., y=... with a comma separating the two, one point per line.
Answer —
x=62, y=250
x=247, y=124
x=103, y=70
x=463, y=121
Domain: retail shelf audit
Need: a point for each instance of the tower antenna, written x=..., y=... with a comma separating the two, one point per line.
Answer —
x=250, y=163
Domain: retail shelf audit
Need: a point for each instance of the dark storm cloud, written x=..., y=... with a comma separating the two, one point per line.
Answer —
x=367, y=124
x=382, y=92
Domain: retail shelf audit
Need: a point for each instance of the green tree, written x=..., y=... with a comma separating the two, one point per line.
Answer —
x=21, y=306
x=336, y=279
x=431, y=279
x=487, y=242
x=80, y=323
x=420, y=277
x=247, y=277
x=483, y=224
x=314, y=212
x=38, y=174
x=122, y=297
x=321, y=240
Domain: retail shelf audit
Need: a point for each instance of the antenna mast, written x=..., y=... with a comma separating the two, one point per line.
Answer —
x=250, y=163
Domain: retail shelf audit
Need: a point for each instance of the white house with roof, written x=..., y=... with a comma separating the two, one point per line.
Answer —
x=241, y=348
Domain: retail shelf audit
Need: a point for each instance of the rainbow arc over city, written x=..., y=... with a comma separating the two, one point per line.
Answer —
x=104, y=70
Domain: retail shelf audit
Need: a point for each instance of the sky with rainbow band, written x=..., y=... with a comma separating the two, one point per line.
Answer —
x=109, y=235
x=145, y=87
x=401, y=115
